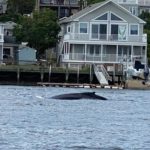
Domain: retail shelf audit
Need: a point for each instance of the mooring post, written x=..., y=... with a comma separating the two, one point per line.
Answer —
x=42, y=72
x=67, y=73
x=91, y=74
x=114, y=73
x=42, y=76
x=49, y=75
x=78, y=73
x=18, y=75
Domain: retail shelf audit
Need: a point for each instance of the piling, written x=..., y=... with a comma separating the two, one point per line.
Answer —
x=18, y=75
x=67, y=73
x=78, y=73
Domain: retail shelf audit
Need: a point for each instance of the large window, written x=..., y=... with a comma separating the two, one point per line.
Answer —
x=118, y=32
x=134, y=30
x=115, y=18
x=103, y=17
x=99, y=31
x=69, y=29
x=83, y=27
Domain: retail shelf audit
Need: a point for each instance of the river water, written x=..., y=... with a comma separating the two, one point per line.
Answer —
x=31, y=120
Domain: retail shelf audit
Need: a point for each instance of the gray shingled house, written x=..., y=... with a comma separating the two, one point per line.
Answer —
x=103, y=33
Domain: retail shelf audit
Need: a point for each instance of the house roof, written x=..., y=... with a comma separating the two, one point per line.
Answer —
x=9, y=25
x=93, y=7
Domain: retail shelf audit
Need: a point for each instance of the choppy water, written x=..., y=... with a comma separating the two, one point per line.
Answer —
x=31, y=120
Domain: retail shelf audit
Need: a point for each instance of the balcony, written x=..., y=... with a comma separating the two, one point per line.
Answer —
x=144, y=2
x=106, y=37
x=126, y=1
x=73, y=3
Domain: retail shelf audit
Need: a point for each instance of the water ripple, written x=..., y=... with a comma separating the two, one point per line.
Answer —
x=31, y=120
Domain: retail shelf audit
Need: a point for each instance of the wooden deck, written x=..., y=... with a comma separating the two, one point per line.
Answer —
x=76, y=85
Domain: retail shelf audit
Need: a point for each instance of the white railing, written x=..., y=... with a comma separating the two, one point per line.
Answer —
x=144, y=2
x=98, y=58
x=126, y=1
x=106, y=37
x=56, y=2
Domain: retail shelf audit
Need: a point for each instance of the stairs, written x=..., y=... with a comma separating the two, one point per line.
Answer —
x=101, y=74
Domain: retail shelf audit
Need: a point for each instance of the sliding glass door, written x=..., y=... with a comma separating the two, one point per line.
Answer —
x=118, y=32
x=99, y=31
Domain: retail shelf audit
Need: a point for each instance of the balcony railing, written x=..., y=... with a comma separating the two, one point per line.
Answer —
x=126, y=1
x=105, y=37
x=144, y=2
x=59, y=2
x=101, y=58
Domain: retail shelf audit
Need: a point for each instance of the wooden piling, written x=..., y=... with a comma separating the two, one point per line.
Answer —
x=78, y=73
x=91, y=74
x=67, y=73
x=18, y=75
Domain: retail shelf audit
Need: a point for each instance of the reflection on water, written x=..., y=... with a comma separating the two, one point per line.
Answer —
x=31, y=120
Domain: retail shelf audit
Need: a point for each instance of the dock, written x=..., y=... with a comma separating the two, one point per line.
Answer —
x=76, y=85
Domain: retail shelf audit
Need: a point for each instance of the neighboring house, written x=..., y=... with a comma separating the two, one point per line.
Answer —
x=131, y=5
x=1, y=41
x=136, y=7
x=10, y=45
x=26, y=55
x=144, y=6
x=3, y=6
x=103, y=33
x=64, y=8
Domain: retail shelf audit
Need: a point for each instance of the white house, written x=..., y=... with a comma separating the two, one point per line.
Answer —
x=103, y=33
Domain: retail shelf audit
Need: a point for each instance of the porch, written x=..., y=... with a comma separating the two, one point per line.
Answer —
x=87, y=53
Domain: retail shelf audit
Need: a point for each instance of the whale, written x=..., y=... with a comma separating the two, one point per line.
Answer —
x=77, y=96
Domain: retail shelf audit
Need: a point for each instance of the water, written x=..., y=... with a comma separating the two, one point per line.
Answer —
x=31, y=120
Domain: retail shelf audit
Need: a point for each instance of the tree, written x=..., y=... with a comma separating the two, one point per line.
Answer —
x=17, y=8
x=21, y=6
x=40, y=31
x=94, y=1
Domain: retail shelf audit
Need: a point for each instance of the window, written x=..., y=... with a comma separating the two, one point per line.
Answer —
x=103, y=17
x=83, y=27
x=133, y=10
x=116, y=18
x=118, y=32
x=68, y=29
x=99, y=31
x=134, y=29
x=94, y=31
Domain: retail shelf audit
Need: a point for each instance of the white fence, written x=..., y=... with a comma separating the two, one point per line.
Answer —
x=98, y=58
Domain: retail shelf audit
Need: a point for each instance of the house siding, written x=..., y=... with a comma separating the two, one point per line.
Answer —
x=108, y=8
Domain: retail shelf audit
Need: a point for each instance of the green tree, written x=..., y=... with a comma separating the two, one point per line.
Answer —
x=21, y=6
x=40, y=31
x=93, y=1
x=17, y=8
